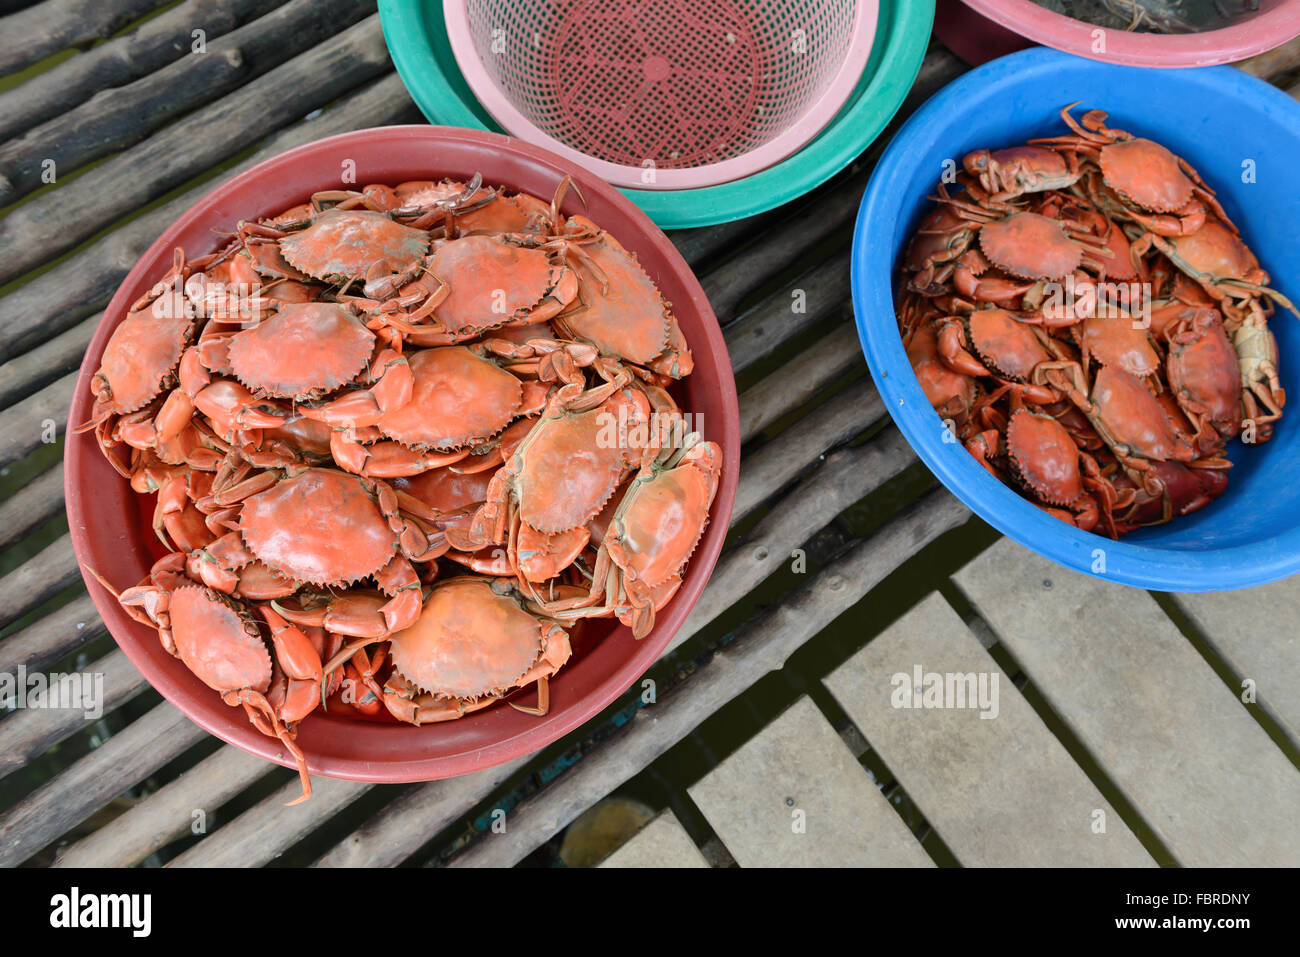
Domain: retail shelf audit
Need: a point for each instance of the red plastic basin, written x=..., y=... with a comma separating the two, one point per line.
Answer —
x=111, y=525
x=980, y=30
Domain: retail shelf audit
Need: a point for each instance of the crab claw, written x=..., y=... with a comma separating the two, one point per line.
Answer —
x=232, y=407
x=293, y=649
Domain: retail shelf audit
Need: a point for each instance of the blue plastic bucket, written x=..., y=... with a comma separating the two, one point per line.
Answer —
x=1243, y=136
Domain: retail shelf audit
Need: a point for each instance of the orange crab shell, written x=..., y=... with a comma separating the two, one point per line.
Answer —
x=1145, y=173
x=1006, y=344
x=471, y=640
x=1204, y=371
x=444, y=490
x=626, y=318
x=143, y=350
x=946, y=390
x=662, y=519
x=1135, y=417
x=218, y=640
x=320, y=526
x=1216, y=251
x=303, y=351
x=346, y=243
x=570, y=468
x=1044, y=457
x=1030, y=246
x=493, y=282
x=458, y=399
x=1115, y=340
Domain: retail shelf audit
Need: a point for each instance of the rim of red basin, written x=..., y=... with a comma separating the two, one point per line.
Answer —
x=111, y=533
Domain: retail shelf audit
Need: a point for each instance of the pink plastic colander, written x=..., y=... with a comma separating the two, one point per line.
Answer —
x=663, y=95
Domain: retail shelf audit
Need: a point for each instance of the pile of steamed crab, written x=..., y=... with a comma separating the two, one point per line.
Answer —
x=401, y=441
x=1086, y=318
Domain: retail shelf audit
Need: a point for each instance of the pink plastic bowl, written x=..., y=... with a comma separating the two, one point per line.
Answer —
x=663, y=95
x=1277, y=22
x=110, y=524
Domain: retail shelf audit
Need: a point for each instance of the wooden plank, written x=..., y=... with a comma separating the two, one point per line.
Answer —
x=265, y=830
x=24, y=427
x=413, y=818
x=769, y=325
x=31, y=506
x=826, y=213
x=1203, y=773
x=168, y=813
x=153, y=44
x=49, y=224
x=53, y=358
x=124, y=116
x=761, y=647
x=700, y=244
x=794, y=796
x=1254, y=632
x=989, y=777
x=41, y=577
x=801, y=379
x=32, y=34
x=776, y=464
x=28, y=732
x=78, y=791
x=57, y=634
x=661, y=843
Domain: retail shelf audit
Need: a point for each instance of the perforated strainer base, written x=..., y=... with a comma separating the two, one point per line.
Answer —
x=636, y=81
x=663, y=94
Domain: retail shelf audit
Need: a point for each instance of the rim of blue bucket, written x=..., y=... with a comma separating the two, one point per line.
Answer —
x=1126, y=563
x=413, y=27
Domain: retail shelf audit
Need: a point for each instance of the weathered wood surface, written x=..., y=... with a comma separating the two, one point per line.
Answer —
x=152, y=45
x=775, y=465
x=175, y=809
x=29, y=731
x=415, y=817
x=1255, y=632
x=257, y=838
x=803, y=378
x=53, y=569
x=822, y=291
x=989, y=776
x=66, y=800
x=1178, y=742
x=794, y=796
x=55, y=635
x=661, y=843
x=844, y=478
x=31, y=506
x=41, y=417
x=123, y=117
x=54, y=358
x=38, y=31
